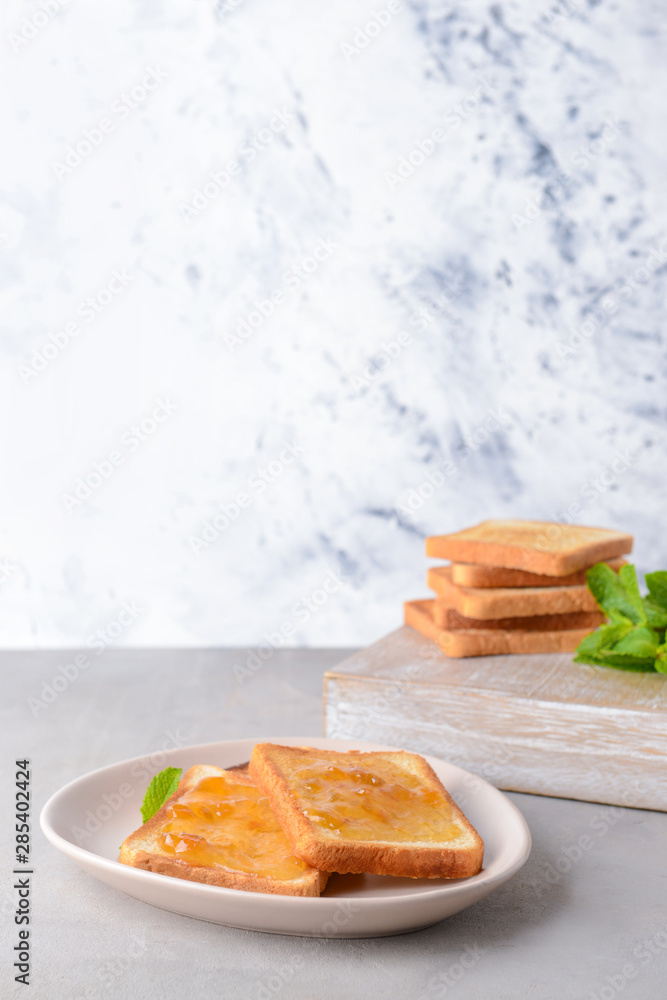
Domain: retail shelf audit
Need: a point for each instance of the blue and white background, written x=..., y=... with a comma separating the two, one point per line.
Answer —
x=286, y=287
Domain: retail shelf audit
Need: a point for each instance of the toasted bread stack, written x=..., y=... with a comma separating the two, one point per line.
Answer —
x=299, y=813
x=514, y=587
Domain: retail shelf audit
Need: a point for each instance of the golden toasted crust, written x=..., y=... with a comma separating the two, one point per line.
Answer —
x=508, y=602
x=272, y=767
x=469, y=575
x=142, y=850
x=447, y=617
x=243, y=768
x=488, y=642
x=535, y=546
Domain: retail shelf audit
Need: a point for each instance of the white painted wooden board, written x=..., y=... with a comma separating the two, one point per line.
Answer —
x=538, y=723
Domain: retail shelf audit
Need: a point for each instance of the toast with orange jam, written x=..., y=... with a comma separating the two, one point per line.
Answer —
x=218, y=828
x=385, y=813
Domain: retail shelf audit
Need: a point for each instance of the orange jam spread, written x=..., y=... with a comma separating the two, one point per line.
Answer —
x=371, y=797
x=229, y=823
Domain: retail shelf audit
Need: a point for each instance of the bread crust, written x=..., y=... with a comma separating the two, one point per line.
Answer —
x=447, y=617
x=270, y=767
x=508, y=602
x=536, y=546
x=488, y=642
x=141, y=850
x=470, y=575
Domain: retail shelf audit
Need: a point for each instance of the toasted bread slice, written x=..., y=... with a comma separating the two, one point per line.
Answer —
x=383, y=813
x=508, y=602
x=448, y=617
x=469, y=575
x=489, y=642
x=535, y=546
x=218, y=828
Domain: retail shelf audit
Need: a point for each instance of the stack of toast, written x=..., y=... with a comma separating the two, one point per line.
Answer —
x=282, y=823
x=514, y=587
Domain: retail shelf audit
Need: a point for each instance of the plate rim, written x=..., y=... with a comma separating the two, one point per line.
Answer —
x=81, y=855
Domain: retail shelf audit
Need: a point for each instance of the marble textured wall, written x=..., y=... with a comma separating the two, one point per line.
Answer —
x=288, y=286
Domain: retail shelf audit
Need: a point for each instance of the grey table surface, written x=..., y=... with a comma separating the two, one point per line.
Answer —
x=593, y=926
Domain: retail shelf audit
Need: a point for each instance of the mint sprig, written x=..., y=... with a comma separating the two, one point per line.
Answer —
x=656, y=602
x=617, y=591
x=161, y=787
x=661, y=659
x=657, y=587
x=635, y=637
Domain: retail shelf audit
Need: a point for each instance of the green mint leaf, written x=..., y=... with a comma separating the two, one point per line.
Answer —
x=635, y=638
x=661, y=659
x=602, y=639
x=161, y=787
x=618, y=618
x=656, y=614
x=657, y=586
x=640, y=642
x=625, y=661
x=628, y=577
x=616, y=592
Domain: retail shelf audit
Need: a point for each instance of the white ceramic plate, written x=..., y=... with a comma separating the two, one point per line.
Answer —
x=90, y=817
